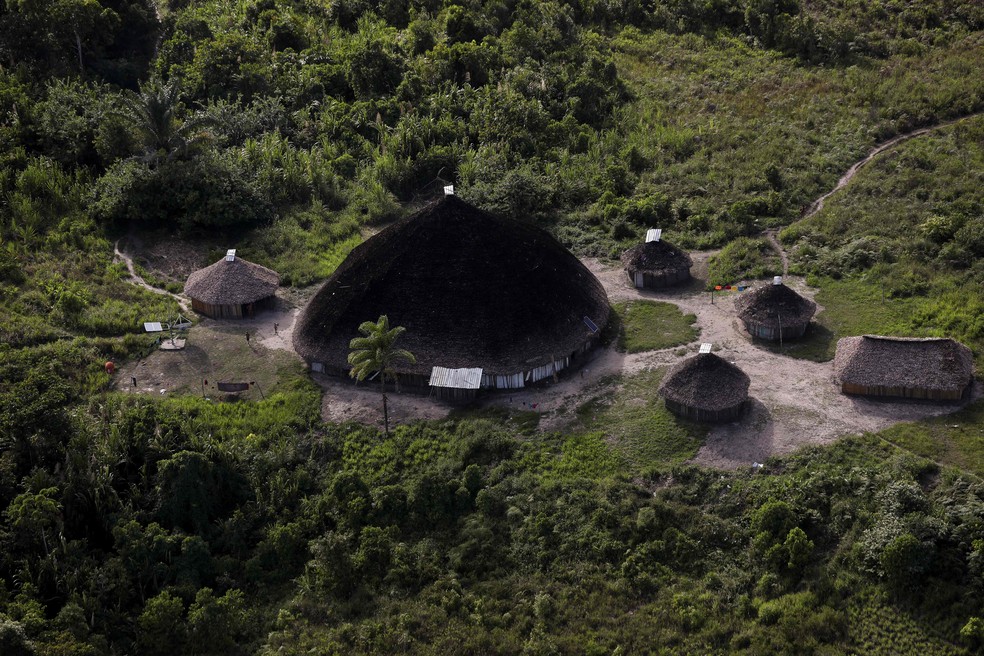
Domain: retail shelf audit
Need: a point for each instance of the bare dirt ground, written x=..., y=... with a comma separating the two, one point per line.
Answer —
x=794, y=402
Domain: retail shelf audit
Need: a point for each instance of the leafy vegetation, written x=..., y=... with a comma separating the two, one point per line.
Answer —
x=894, y=253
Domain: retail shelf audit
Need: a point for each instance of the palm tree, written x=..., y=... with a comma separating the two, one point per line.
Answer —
x=153, y=115
x=374, y=353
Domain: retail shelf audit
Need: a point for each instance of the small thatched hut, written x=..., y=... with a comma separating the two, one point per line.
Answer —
x=656, y=264
x=907, y=367
x=705, y=388
x=473, y=291
x=775, y=312
x=232, y=288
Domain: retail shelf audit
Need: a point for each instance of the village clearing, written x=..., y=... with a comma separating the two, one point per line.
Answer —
x=794, y=401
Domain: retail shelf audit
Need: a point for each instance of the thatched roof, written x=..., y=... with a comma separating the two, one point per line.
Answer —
x=471, y=289
x=910, y=362
x=232, y=283
x=656, y=257
x=707, y=382
x=768, y=303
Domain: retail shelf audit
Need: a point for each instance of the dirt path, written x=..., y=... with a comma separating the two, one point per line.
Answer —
x=140, y=282
x=794, y=402
x=777, y=247
x=817, y=205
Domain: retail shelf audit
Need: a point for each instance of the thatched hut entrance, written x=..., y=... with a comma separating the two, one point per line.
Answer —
x=775, y=312
x=232, y=288
x=705, y=388
x=473, y=290
x=656, y=264
x=913, y=368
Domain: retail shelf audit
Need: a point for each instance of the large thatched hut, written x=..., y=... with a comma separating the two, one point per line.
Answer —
x=705, y=388
x=473, y=291
x=908, y=367
x=656, y=264
x=232, y=288
x=775, y=312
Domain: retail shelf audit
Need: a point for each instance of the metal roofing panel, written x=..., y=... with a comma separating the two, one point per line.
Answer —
x=153, y=326
x=654, y=234
x=449, y=190
x=230, y=255
x=456, y=378
x=705, y=348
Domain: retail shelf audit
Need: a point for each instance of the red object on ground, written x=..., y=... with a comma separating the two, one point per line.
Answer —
x=717, y=287
x=110, y=368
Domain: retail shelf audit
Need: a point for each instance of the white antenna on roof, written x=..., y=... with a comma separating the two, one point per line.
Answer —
x=777, y=280
x=449, y=190
x=654, y=234
x=230, y=255
x=705, y=348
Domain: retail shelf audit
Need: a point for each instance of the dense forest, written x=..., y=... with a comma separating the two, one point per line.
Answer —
x=293, y=128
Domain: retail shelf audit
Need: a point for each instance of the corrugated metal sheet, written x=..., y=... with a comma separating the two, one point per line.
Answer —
x=456, y=378
x=654, y=234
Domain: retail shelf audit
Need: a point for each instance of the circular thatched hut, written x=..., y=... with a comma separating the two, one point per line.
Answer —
x=232, y=288
x=705, y=388
x=775, y=312
x=472, y=290
x=907, y=367
x=656, y=264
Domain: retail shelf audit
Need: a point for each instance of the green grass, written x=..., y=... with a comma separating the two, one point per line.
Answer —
x=743, y=259
x=653, y=325
x=956, y=439
x=850, y=307
x=636, y=423
x=879, y=629
x=215, y=353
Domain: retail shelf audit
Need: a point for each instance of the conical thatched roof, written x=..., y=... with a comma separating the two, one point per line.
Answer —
x=904, y=362
x=232, y=283
x=656, y=257
x=471, y=289
x=768, y=303
x=706, y=382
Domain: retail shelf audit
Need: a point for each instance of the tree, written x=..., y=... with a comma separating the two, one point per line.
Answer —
x=375, y=352
x=153, y=116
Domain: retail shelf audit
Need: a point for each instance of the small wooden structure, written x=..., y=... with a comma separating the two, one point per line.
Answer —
x=936, y=369
x=775, y=312
x=656, y=264
x=705, y=388
x=455, y=385
x=232, y=288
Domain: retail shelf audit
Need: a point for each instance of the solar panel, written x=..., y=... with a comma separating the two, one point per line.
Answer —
x=153, y=326
x=705, y=348
x=777, y=280
x=230, y=255
x=654, y=234
x=592, y=326
x=449, y=190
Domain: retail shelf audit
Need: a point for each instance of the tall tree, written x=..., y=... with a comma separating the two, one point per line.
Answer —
x=153, y=115
x=376, y=352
